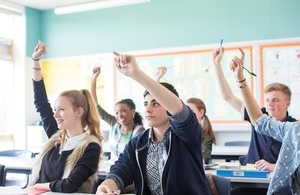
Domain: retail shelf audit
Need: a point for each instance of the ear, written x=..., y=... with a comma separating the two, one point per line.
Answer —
x=288, y=104
x=201, y=112
x=79, y=112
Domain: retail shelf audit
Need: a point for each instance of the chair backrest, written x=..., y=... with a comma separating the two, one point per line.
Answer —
x=17, y=153
x=2, y=175
x=237, y=143
x=222, y=184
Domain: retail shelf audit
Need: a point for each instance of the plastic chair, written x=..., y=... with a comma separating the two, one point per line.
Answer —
x=237, y=143
x=2, y=175
x=222, y=184
x=17, y=179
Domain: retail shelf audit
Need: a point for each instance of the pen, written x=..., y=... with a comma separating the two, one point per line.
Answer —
x=221, y=42
x=252, y=73
x=39, y=41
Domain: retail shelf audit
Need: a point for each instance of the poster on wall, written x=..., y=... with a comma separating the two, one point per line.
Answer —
x=281, y=63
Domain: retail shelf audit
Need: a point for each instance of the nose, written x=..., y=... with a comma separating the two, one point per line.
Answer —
x=148, y=109
x=55, y=114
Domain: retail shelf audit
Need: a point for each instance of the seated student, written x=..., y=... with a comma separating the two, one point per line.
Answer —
x=69, y=160
x=263, y=150
x=166, y=158
x=287, y=165
x=126, y=123
x=208, y=136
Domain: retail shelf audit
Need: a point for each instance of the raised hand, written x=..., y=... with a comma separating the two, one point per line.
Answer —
x=39, y=50
x=218, y=56
x=236, y=65
x=126, y=64
x=96, y=73
x=161, y=71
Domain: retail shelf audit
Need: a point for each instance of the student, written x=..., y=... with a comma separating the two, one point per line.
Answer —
x=263, y=150
x=126, y=123
x=208, y=136
x=287, y=166
x=166, y=158
x=69, y=160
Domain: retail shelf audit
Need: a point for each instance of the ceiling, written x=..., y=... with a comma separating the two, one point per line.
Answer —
x=47, y=4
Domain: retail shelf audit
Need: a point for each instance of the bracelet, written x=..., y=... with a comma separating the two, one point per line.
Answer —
x=241, y=80
x=35, y=59
x=243, y=85
x=36, y=68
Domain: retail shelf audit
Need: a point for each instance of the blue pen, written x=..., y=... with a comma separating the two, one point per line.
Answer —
x=221, y=43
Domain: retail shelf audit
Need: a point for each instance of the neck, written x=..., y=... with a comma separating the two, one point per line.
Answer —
x=158, y=132
x=127, y=128
x=74, y=132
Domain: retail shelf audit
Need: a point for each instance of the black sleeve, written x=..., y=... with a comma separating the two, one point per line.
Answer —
x=43, y=106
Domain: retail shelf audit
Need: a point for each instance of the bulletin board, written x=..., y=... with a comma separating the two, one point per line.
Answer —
x=281, y=63
x=72, y=73
x=192, y=74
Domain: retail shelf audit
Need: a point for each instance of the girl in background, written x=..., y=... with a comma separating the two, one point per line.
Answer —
x=208, y=136
x=126, y=123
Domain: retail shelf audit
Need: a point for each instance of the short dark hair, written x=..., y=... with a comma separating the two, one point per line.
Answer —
x=166, y=85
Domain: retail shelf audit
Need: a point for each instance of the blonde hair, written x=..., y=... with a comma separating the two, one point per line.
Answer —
x=205, y=123
x=279, y=87
x=90, y=117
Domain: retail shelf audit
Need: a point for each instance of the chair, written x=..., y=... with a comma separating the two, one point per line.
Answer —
x=2, y=175
x=222, y=185
x=237, y=143
x=16, y=179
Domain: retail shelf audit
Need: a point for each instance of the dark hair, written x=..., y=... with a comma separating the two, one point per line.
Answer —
x=137, y=119
x=166, y=85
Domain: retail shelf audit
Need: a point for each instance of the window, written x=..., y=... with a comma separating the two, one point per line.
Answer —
x=6, y=80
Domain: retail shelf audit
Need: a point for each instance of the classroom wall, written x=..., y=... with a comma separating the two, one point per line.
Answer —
x=160, y=24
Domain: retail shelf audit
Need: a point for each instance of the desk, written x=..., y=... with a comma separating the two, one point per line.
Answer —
x=228, y=152
x=17, y=165
x=246, y=181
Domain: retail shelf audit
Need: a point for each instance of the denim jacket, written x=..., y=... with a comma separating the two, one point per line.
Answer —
x=289, y=156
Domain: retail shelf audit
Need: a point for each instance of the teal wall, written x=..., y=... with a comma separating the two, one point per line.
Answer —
x=160, y=24
x=33, y=29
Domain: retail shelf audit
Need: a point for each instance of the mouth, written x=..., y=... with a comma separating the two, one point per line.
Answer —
x=58, y=121
x=149, y=117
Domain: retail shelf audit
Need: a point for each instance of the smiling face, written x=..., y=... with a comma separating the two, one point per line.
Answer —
x=155, y=114
x=64, y=113
x=124, y=114
x=277, y=104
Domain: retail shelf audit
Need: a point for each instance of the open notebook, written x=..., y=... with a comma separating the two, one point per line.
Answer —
x=15, y=190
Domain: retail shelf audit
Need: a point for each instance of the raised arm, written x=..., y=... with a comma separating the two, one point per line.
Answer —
x=161, y=71
x=225, y=90
x=40, y=96
x=96, y=73
x=127, y=65
x=250, y=103
x=110, y=119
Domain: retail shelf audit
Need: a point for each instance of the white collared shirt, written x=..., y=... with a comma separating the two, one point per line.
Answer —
x=71, y=142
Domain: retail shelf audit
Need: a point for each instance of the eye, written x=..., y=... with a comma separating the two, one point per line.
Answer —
x=156, y=104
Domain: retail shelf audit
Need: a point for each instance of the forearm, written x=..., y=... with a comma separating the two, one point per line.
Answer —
x=93, y=90
x=37, y=73
x=250, y=103
x=162, y=95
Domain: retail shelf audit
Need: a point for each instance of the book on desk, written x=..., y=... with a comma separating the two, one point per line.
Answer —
x=248, y=170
